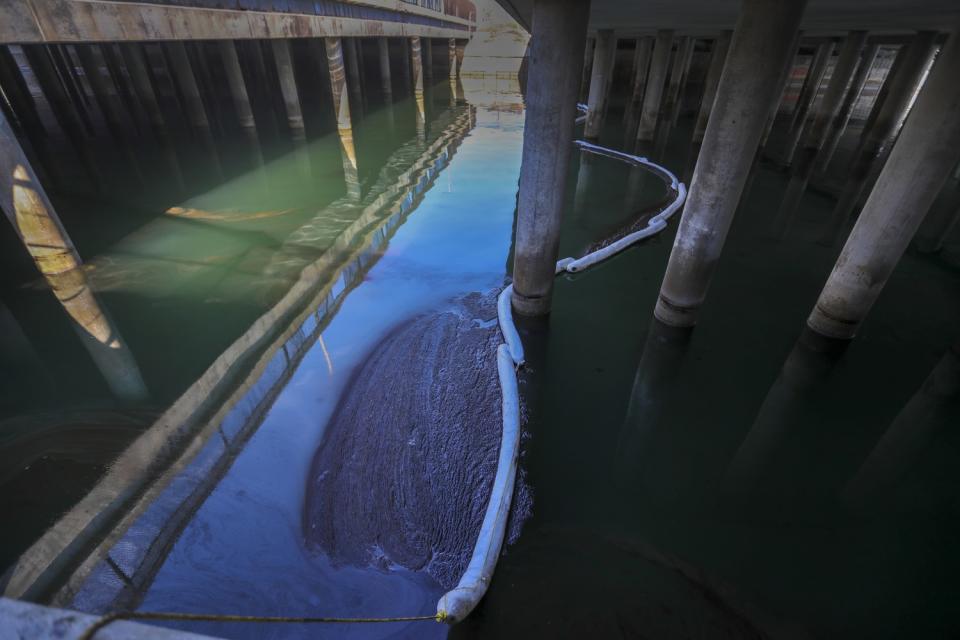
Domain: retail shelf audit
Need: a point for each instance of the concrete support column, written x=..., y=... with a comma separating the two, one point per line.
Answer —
x=341, y=102
x=720, y=47
x=816, y=133
x=811, y=82
x=654, y=89
x=452, y=57
x=241, y=99
x=427, y=58
x=147, y=96
x=919, y=165
x=559, y=36
x=641, y=64
x=417, y=65
x=354, y=79
x=672, y=95
x=682, y=83
x=760, y=48
x=807, y=99
x=18, y=93
x=196, y=113
x=849, y=102
x=901, y=86
x=28, y=208
x=288, y=88
x=65, y=114
x=586, y=70
x=386, y=82
x=600, y=79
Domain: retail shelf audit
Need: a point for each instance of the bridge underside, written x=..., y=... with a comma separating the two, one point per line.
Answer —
x=67, y=21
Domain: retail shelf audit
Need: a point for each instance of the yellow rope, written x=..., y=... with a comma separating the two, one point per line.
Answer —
x=211, y=617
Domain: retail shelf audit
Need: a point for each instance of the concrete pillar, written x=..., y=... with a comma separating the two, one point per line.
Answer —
x=18, y=93
x=71, y=82
x=846, y=110
x=428, y=58
x=748, y=88
x=558, y=39
x=672, y=95
x=354, y=80
x=641, y=65
x=682, y=84
x=654, y=89
x=341, y=102
x=901, y=86
x=108, y=99
x=461, y=50
x=28, y=208
x=719, y=56
x=417, y=66
x=240, y=98
x=600, y=80
x=921, y=161
x=193, y=103
x=63, y=110
x=386, y=82
x=816, y=134
x=586, y=70
x=784, y=83
x=288, y=87
x=910, y=433
x=452, y=57
x=811, y=83
x=147, y=96
x=807, y=99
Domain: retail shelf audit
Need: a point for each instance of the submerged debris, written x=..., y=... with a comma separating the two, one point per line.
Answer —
x=405, y=470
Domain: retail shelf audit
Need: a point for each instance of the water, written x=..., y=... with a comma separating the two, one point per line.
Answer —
x=651, y=516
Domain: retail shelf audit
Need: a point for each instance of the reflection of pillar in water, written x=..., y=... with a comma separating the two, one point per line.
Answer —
x=143, y=87
x=196, y=113
x=29, y=210
x=910, y=433
x=341, y=102
x=663, y=354
x=418, y=87
x=241, y=99
x=780, y=415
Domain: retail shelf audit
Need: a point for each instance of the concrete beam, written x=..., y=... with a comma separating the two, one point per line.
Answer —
x=761, y=46
x=921, y=161
x=105, y=21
